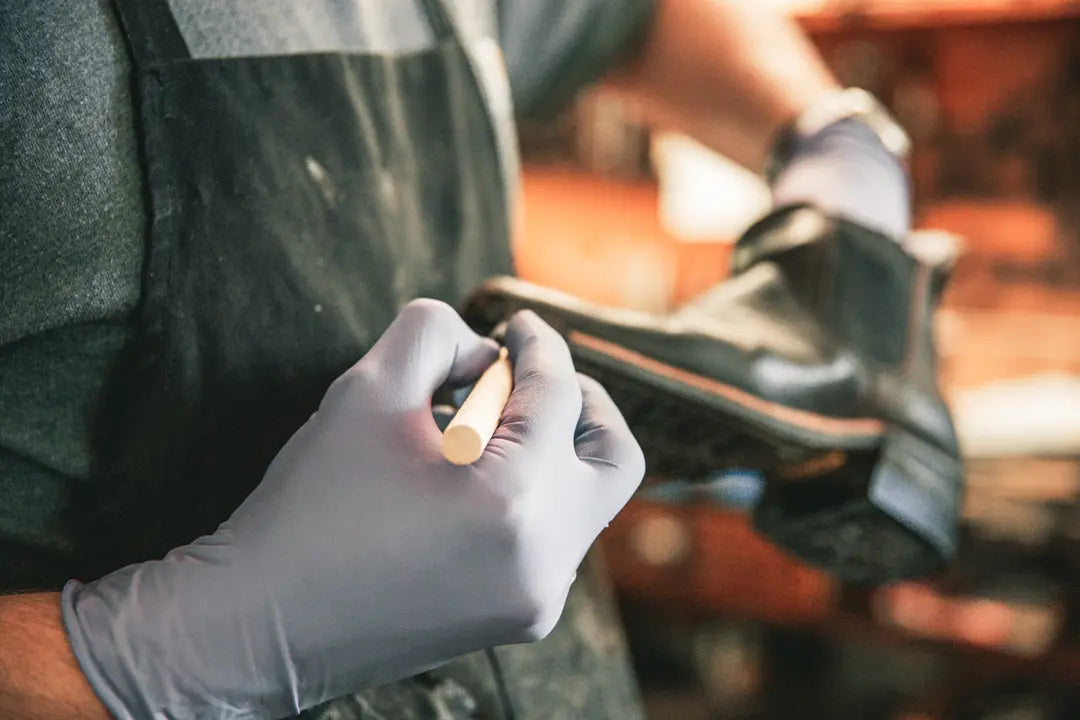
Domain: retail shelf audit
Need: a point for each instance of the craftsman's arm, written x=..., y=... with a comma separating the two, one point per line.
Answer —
x=727, y=72
x=731, y=74
x=39, y=676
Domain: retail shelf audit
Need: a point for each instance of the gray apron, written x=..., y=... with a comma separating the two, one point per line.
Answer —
x=295, y=204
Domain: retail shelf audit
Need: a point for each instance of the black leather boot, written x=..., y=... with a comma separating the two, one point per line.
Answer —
x=813, y=363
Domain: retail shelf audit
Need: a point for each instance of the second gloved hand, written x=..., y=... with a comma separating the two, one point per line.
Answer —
x=363, y=556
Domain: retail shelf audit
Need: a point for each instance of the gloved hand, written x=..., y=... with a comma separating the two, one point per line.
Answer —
x=845, y=170
x=363, y=556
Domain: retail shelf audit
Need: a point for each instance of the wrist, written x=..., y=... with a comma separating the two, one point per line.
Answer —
x=104, y=687
x=160, y=639
x=836, y=107
x=39, y=676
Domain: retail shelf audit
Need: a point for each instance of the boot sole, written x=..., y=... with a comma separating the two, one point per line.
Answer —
x=849, y=495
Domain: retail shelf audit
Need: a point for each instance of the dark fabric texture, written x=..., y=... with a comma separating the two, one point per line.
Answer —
x=298, y=202
x=555, y=47
x=71, y=219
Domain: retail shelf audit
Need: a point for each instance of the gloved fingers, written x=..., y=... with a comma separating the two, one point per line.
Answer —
x=428, y=345
x=546, y=400
x=604, y=441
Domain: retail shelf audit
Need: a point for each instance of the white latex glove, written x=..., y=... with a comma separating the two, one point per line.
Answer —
x=363, y=556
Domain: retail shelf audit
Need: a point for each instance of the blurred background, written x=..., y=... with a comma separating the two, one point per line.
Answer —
x=721, y=625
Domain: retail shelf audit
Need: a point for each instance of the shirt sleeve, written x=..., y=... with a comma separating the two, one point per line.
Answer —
x=553, y=48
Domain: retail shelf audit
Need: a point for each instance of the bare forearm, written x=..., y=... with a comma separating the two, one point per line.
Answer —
x=727, y=72
x=39, y=676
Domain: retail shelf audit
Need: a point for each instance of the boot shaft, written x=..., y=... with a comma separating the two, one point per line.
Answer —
x=866, y=289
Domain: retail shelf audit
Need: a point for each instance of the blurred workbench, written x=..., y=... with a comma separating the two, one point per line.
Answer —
x=829, y=16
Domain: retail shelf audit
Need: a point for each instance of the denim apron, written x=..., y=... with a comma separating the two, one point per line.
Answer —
x=295, y=204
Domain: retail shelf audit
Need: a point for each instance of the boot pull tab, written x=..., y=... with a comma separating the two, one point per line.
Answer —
x=939, y=250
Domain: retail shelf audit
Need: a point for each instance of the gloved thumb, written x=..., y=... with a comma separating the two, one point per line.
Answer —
x=428, y=345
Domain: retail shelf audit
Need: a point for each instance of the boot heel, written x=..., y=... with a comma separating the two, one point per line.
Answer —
x=882, y=516
x=919, y=485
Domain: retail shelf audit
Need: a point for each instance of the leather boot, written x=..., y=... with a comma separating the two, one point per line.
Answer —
x=813, y=363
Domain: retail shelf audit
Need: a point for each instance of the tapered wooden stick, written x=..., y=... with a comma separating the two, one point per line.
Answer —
x=472, y=427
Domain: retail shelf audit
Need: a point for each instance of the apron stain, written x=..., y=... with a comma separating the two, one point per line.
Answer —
x=322, y=179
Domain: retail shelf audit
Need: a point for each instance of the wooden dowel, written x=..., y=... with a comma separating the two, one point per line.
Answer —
x=472, y=427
